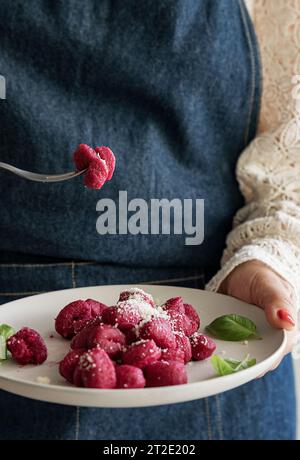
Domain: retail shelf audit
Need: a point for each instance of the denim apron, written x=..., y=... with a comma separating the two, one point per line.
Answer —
x=173, y=87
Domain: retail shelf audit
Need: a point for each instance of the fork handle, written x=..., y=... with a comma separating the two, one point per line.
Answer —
x=40, y=177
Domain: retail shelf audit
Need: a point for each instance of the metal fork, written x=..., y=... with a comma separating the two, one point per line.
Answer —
x=40, y=177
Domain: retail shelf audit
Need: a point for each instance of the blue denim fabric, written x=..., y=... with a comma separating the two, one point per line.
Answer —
x=249, y=412
x=262, y=409
x=19, y=279
x=173, y=87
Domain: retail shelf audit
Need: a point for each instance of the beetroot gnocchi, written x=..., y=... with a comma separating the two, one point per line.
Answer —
x=142, y=353
x=72, y=318
x=162, y=373
x=129, y=377
x=202, y=346
x=96, y=370
x=68, y=365
x=27, y=347
x=173, y=354
x=108, y=338
x=132, y=344
x=99, y=164
x=160, y=331
x=125, y=316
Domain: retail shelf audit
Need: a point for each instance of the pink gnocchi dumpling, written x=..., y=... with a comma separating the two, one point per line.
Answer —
x=108, y=156
x=184, y=344
x=124, y=315
x=142, y=353
x=130, y=377
x=109, y=338
x=96, y=369
x=104, y=336
x=83, y=156
x=175, y=310
x=159, y=330
x=75, y=315
x=68, y=364
x=97, y=309
x=77, y=377
x=164, y=373
x=27, y=347
x=137, y=293
x=99, y=164
x=192, y=322
x=80, y=340
x=202, y=346
x=96, y=174
x=183, y=317
x=173, y=354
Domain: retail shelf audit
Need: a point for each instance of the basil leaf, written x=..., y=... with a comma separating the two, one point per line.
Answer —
x=221, y=366
x=250, y=363
x=6, y=331
x=247, y=362
x=233, y=328
x=3, y=348
x=233, y=363
x=244, y=364
x=230, y=366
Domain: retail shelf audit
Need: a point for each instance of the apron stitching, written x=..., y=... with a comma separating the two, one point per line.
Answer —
x=77, y=423
x=188, y=278
x=253, y=72
x=208, y=419
x=62, y=264
x=219, y=417
x=21, y=293
x=174, y=280
x=77, y=414
x=73, y=274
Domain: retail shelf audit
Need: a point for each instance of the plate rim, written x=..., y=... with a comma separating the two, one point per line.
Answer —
x=102, y=392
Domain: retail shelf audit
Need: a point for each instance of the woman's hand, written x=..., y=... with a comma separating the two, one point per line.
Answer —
x=256, y=283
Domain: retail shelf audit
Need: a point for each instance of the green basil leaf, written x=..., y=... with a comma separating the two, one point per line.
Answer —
x=251, y=362
x=6, y=331
x=233, y=327
x=3, y=348
x=230, y=366
x=245, y=363
x=221, y=366
x=232, y=362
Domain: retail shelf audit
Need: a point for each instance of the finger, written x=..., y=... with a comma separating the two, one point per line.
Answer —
x=280, y=314
x=276, y=296
x=275, y=365
x=278, y=299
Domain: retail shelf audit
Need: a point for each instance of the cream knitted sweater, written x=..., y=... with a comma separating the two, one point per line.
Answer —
x=267, y=228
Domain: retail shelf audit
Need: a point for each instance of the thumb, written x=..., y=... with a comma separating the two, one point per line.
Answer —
x=277, y=297
x=280, y=313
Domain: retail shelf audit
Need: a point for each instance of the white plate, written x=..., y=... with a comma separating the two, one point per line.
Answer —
x=38, y=312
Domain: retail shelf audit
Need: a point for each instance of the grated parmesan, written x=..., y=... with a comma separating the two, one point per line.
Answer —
x=44, y=380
